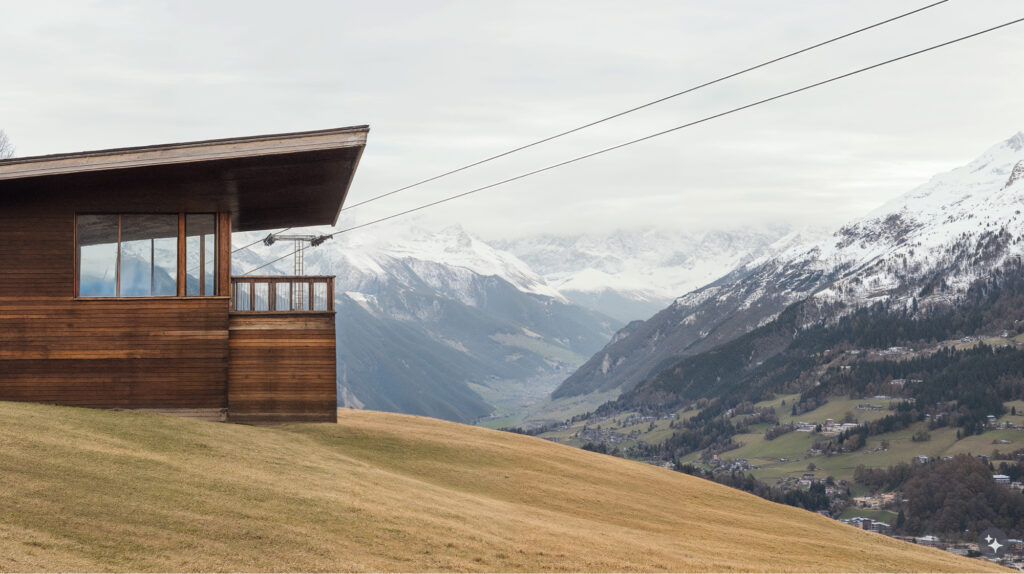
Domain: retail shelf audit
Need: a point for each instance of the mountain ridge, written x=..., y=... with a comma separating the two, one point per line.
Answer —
x=923, y=248
x=631, y=274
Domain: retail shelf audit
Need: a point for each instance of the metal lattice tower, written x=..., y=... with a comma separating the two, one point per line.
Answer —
x=298, y=295
x=300, y=250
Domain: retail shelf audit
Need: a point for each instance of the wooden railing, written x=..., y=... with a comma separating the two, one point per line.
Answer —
x=282, y=294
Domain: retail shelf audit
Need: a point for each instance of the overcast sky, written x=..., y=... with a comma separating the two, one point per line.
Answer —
x=442, y=84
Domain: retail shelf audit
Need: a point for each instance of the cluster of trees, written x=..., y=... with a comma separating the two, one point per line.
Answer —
x=955, y=498
x=702, y=432
x=710, y=430
x=814, y=498
x=602, y=448
x=1012, y=470
x=882, y=479
x=778, y=430
x=921, y=436
x=978, y=380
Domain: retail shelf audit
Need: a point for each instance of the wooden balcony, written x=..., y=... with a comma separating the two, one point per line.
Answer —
x=282, y=294
x=281, y=345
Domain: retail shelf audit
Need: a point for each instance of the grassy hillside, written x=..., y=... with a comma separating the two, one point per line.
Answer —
x=97, y=490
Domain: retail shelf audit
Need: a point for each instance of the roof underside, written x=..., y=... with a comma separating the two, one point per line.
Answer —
x=266, y=182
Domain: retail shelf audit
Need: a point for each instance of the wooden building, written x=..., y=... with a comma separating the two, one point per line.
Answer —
x=115, y=277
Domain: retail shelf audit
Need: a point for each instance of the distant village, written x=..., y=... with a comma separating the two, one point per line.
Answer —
x=1014, y=552
x=837, y=492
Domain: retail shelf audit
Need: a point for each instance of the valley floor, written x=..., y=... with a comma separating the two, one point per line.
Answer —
x=112, y=491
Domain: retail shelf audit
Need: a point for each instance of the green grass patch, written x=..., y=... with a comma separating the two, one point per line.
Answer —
x=837, y=408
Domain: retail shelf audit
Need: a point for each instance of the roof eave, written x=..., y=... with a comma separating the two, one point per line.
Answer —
x=187, y=152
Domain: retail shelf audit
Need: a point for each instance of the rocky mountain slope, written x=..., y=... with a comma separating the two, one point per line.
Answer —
x=442, y=324
x=919, y=250
x=631, y=275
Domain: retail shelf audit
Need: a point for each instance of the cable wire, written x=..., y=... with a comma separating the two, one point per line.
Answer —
x=261, y=240
x=646, y=105
x=623, y=113
x=661, y=133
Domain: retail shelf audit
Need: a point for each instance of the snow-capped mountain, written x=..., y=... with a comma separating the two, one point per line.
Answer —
x=953, y=229
x=919, y=250
x=448, y=261
x=633, y=274
x=441, y=323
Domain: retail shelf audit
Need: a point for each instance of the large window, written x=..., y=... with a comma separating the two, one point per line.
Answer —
x=138, y=255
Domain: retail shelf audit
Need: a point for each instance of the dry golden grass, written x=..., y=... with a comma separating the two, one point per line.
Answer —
x=101, y=491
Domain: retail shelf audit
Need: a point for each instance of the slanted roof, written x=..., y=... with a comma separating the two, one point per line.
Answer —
x=267, y=181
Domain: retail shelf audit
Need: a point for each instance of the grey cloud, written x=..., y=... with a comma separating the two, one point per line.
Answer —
x=446, y=83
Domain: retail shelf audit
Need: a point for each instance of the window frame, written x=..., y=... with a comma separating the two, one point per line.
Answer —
x=183, y=236
x=181, y=279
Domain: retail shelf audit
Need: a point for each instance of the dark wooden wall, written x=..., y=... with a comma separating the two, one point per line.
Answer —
x=129, y=354
x=282, y=367
x=37, y=251
x=140, y=353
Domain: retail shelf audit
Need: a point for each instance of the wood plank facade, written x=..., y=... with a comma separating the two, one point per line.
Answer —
x=183, y=352
x=283, y=367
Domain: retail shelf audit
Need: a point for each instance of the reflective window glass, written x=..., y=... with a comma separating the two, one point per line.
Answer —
x=200, y=253
x=137, y=255
x=97, y=255
x=149, y=255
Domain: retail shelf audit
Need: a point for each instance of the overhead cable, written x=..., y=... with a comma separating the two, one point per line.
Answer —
x=629, y=111
x=646, y=105
x=661, y=133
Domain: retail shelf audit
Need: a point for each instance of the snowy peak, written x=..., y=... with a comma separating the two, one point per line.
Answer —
x=645, y=265
x=948, y=232
x=922, y=226
x=1016, y=142
x=962, y=187
x=449, y=260
x=454, y=247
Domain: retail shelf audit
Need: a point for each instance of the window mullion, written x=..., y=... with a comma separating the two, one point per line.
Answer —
x=182, y=278
x=202, y=264
x=117, y=272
